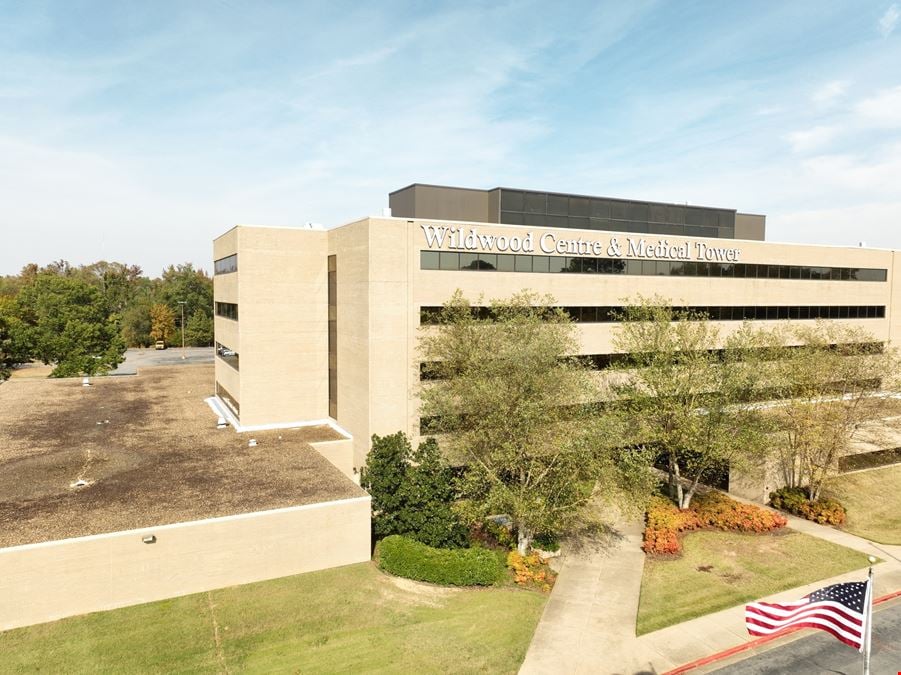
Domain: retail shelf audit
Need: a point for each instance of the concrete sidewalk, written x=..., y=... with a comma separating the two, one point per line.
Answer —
x=588, y=625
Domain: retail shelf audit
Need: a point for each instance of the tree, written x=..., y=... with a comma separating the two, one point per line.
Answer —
x=199, y=329
x=162, y=323
x=136, y=324
x=184, y=283
x=829, y=377
x=13, y=348
x=517, y=411
x=67, y=322
x=684, y=389
x=412, y=492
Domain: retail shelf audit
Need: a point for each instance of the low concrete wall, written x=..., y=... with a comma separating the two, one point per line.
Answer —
x=341, y=454
x=51, y=580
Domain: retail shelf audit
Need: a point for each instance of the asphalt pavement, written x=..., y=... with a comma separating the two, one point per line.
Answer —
x=143, y=358
x=819, y=652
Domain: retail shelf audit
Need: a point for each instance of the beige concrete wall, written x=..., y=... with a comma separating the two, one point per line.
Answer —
x=434, y=287
x=341, y=455
x=350, y=245
x=750, y=226
x=894, y=319
x=281, y=284
x=390, y=325
x=283, y=325
x=225, y=331
x=49, y=581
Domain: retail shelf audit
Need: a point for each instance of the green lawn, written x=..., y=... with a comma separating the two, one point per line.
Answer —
x=723, y=569
x=873, y=501
x=350, y=619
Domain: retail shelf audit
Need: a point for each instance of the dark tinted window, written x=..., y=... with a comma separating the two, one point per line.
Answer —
x=226, y=265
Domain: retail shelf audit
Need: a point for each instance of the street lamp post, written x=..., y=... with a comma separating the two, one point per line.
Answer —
x=182, y=303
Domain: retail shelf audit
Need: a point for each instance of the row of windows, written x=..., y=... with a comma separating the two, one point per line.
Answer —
x=230, y=356
x=428, y=370
x=506, y=262
x=227, y=310
x=432, y=315
x=611, y=225
x=226, y=265
x=617, y=209
x=437, y=425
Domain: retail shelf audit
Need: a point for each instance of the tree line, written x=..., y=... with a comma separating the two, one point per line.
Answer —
x=81, y=318
x=538, y=433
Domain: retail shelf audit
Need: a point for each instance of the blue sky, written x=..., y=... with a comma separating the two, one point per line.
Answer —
x=138, y=131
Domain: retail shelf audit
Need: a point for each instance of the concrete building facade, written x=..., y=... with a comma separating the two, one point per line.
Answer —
x=322, y=325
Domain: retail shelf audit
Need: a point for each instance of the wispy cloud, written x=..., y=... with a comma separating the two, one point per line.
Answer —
x=807, y=140
x=882, y=110
x=830, y=92
x=889, y=20
x=184, y=120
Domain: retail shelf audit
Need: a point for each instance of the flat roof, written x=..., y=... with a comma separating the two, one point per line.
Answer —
x=149, y=448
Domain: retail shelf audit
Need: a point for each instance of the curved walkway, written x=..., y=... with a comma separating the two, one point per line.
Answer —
x=588, y=625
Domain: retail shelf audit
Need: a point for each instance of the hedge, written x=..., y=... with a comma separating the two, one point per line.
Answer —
x=794, y=500
x=405, y=557
x=664, y=521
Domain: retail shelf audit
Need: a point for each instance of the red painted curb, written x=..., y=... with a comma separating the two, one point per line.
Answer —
x=726, y=653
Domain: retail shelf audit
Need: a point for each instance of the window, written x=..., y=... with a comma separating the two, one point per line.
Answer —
x=333, y=337
x=590, y=314
x=505, y=262
x=227, y=310
x=230, y=356
x=228, y=399
x=428, y=260
x=226, y=265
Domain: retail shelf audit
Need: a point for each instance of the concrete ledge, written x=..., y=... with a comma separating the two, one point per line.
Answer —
x=341, y=455
x=52, y=580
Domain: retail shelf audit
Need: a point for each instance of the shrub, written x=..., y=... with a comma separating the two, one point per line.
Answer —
x=714, y=509
x=664, y=521
x=531, y=571
x=411, y=559
x=412, y=492
x=794, y=500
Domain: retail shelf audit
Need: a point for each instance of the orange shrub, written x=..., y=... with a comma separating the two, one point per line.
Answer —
x=531, y=571
x=664, y=521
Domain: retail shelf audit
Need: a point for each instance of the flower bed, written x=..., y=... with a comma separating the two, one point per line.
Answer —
x=664, y=521
x=531, y=571
x=795, y=501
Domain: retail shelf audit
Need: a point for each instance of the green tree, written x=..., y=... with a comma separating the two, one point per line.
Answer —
x=66, y=322
x=518, y=412
x=13, y=347
x=830, y=378
x=382, y=476
x=412, y=492
x=184, y=283
x=136, y=323
x=162, y=323
x=684, y=390
x=199, y=329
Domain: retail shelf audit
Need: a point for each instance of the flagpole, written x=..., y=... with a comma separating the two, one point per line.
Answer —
x=868, y=637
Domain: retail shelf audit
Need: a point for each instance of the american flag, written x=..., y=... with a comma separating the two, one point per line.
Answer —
x=840, y=610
